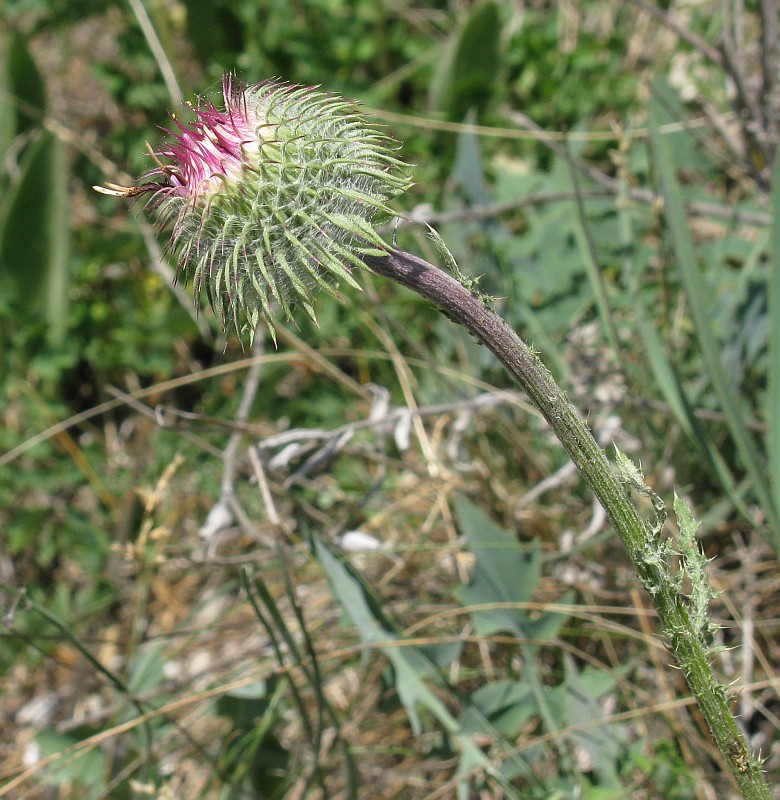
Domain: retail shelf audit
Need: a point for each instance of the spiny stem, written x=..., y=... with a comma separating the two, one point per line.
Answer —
x=653, y=570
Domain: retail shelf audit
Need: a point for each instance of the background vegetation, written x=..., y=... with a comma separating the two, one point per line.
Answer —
x=357, y=565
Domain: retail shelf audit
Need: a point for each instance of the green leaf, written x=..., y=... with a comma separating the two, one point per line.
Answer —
x=87, y=767
x=34, y=233
x=410, y=665
x=468, y=69
x=7, y=108
x=504, y=573
x=604, y=743
x=508, y=705
x=245, y=705
x=498, y=711
x=253, y=755
x=469, y=173
x=146, y=669
x=773, y=404
x=25, y=85
x=699, y=296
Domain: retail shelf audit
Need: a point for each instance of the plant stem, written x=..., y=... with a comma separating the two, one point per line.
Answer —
x=643, y=547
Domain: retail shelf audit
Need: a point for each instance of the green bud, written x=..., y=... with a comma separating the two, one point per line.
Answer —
x=274, y=196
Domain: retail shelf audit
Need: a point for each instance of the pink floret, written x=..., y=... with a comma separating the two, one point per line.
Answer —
x=208, y=151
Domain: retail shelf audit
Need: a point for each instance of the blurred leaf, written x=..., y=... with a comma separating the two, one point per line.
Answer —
x=664, y=370
x=7, y=108
x=411, y=666
x=213, y=28
x=559, y=88
x=468, y=69
x=468, y=171
x=146, y=669
x=666, y=767
x=508, y=705
x=498, y=711
x=245, y=705
x=442, y=654
x=25, y=85
x=576, y=702
x=773, y=402
x=34, y=233
x=589, y=256
x=87, y=767
x=253, y=751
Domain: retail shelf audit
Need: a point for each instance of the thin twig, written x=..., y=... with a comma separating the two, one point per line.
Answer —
x=670, y=22
x=262, y=485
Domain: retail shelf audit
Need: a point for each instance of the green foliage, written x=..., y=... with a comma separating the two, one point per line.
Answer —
x=504, y=577
x=85, y=769
x=38, y=266
x=23, y=85
x=773, y=342
x=699, y=296
x=467, y=72
x=667, y=771
x=254, y=757
x=34, y=224
x=562, y=87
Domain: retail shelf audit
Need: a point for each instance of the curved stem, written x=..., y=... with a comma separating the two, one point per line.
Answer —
x=461, y=306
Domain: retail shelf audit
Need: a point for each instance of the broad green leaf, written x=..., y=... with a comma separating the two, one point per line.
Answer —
x=34, y=233
x=25, y=85
x=87, y=767
x=504, y=573
x=507, y=705
x=498, y=711
x=576, y=705
x=468, y=68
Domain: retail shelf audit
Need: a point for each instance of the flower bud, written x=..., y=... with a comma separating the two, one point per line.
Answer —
x=270, y=198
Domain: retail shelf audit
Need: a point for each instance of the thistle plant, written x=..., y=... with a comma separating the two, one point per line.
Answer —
x=278, y=195
x=275, y=195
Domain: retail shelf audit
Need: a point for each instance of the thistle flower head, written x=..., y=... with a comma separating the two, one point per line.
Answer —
x=271, y=197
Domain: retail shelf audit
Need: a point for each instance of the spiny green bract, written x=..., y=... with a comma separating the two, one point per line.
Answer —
x=273, y=197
